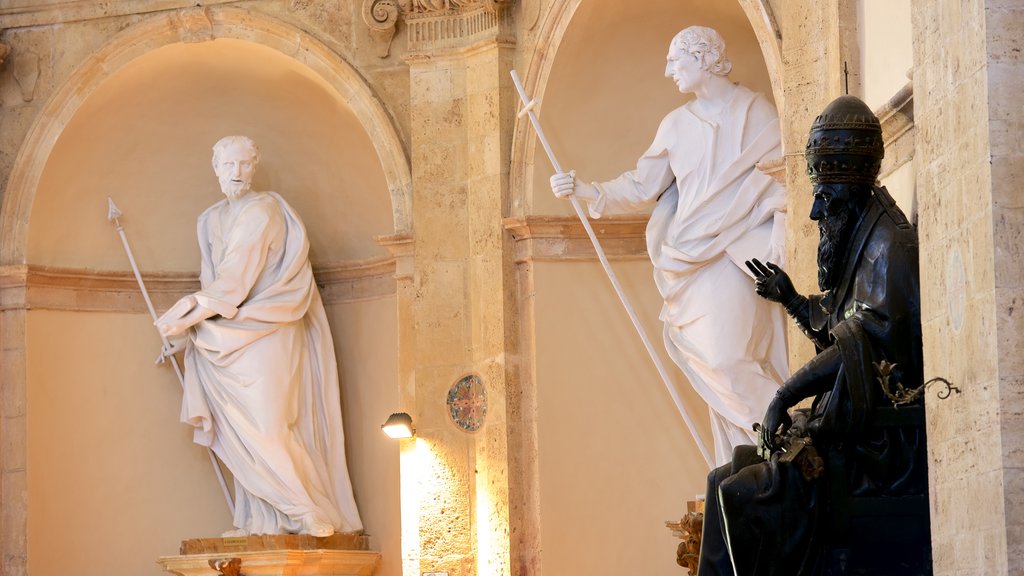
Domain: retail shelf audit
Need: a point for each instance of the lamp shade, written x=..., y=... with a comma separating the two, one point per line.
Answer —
x=398, y=425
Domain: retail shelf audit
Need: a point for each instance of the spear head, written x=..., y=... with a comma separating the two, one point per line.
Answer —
x=112, y=211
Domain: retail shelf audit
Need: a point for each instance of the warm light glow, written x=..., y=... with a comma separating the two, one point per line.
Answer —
x=399, y=425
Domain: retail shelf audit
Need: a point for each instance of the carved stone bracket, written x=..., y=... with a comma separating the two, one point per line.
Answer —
x=381, y=16
x=437, y=24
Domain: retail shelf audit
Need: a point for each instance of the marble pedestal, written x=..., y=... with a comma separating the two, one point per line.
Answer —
x=274, y=555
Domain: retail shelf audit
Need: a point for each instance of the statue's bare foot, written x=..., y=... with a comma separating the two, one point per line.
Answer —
x=235, y=533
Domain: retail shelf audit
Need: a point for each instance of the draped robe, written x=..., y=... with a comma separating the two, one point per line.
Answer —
x=714, y=210
x=261, y=379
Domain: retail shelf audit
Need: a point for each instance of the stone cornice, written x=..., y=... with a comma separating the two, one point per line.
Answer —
x=561, y=238
x=46, y=288
x=77, y=10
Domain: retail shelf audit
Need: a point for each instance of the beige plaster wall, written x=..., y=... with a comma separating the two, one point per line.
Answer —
x=886, y=49
x=115, y=480
x=144, y=138
x=616, y=460
x=884, y=36
x=607, y=93
x=366, y=344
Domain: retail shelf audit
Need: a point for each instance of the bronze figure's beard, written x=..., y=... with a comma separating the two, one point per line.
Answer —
x=831, y=246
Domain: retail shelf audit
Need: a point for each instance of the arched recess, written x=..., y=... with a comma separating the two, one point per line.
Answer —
x=540, y=64
x=596, y=71
x=191, y=25
x=24, y=346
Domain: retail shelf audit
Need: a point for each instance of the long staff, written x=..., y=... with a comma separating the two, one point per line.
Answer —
x=528, y=105
x=114, y=215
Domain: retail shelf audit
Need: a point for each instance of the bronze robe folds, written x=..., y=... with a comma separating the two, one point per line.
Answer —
x=772, y=515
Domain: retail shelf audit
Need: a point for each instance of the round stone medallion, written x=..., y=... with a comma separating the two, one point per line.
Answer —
x=467, y=403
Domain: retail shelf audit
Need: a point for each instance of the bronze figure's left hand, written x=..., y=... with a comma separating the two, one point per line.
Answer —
x=776, y=422
x=771, y=282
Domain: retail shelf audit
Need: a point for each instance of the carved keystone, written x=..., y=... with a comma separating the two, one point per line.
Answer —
x=194, y=24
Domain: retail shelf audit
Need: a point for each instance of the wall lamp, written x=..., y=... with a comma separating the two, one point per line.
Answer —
x=399, y=425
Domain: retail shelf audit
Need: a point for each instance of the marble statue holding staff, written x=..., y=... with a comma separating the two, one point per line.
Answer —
x=261, y=379
x=713, y=210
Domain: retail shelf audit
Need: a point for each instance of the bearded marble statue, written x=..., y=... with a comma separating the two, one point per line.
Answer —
x=261, y=379
x=712, y=210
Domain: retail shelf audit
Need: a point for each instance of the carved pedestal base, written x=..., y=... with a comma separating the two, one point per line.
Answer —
x=274, y=555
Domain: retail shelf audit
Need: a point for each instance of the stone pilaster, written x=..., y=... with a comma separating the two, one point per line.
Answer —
x=970, y=167
x=13, y=445
x=461, y=104
x=813, y=51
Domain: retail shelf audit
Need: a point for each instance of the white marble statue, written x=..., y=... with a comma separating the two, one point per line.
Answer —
x=261, y=380
x=713, y=210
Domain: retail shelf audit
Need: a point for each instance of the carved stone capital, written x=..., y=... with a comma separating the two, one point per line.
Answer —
x=437, y=24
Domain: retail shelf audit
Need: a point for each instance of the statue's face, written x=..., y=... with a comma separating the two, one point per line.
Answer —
x=235, y=164
x=684, y=69
x=831, y=210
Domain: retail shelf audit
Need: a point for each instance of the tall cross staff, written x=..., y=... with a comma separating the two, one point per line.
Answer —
x=528, y=105
x=114, y=215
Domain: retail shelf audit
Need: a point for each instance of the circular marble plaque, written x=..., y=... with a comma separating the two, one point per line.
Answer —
x=467, y=403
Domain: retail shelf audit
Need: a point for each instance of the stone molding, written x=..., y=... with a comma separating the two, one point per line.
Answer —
x=402, y=248
x=28, y=287
x=897, y=119
x=78, y=10
x=563, y=238
x=439, y=25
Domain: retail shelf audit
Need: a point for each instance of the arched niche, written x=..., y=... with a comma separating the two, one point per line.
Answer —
x=136, y=121
x=602, y=411
x=598, y=73
x=312, y=114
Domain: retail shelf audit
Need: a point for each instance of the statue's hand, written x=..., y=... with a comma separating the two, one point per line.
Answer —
x=776, y=422
x=771, y=282
x=173, y=322
x=565, y=184
x=174, y=345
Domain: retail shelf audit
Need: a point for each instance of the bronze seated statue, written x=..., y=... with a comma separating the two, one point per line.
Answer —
x=841, y=487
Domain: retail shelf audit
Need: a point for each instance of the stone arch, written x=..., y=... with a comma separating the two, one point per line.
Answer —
x=193, y=25
x=766, y=28
x=538, y=72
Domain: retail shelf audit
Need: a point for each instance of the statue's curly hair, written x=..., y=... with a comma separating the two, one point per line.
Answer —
x=229, y=140
x=707, y=46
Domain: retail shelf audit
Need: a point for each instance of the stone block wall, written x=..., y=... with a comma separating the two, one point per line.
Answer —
x=968, y=102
